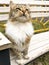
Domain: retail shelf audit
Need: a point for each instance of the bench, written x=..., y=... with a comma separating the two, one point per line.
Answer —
x=36, y=9
x=39, y=43
x=5, y=44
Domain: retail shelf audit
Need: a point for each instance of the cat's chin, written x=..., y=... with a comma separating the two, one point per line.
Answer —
x=22, y=19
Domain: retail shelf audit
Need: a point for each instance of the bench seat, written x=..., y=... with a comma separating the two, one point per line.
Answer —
x=39, y=45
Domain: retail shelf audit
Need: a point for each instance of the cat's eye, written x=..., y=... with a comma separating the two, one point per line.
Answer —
x=27, y=9
x=18, y=9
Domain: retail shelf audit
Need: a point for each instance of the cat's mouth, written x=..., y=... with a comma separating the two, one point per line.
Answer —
x=23, y=15
x=22, y=18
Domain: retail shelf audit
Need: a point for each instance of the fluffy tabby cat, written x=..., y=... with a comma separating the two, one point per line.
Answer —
x=19, y=28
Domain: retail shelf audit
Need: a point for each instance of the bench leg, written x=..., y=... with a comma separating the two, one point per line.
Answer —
x=4, y=57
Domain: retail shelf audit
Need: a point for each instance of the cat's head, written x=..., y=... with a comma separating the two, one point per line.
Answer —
x=19, y=12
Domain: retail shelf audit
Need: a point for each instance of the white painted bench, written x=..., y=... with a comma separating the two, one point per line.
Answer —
x=5, y=45
x=34, y=2
x=39, y=43
x=36, y=9
x=4, y=42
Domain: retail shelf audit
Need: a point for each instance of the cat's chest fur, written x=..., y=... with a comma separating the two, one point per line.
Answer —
x=19, y=31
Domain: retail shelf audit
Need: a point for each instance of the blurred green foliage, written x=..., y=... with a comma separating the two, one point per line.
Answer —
x=47, y=24
x=37, y=25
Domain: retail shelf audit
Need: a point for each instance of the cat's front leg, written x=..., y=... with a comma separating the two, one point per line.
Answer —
x=25, y=51
x=19, y=54
x=27, y=40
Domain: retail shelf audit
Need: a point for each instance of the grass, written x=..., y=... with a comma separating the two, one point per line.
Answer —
x=2, y=29
x=42, y=60
x=37, y=25
x=47, y=24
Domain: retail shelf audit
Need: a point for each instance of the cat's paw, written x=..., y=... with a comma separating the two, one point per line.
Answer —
x=26, y=57
x=27, y=39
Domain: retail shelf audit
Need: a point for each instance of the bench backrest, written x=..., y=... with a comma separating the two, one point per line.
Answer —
x=37, y=9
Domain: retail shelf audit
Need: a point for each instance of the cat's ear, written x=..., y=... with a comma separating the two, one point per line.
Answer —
x=12, y=5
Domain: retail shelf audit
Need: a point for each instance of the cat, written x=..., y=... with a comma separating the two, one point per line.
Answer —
x=19, y=28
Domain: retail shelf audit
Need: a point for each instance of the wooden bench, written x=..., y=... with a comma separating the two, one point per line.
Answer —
x=39, y=43
x=5, y=44
x=36, y=9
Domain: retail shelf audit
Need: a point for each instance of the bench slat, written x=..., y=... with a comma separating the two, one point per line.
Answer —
x=39, y=14
x=4, y=1
x=26, y=2
x=4, y=42
x=39, y=40
x=5, y=16
x=4, y=9
x=32, y=9
x=38, y=45
x=39, y=8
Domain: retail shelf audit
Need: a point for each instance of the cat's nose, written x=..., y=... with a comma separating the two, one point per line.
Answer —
x=23, y=14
